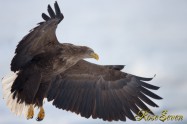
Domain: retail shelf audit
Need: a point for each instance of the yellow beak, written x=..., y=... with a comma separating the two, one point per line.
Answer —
x=94, y=55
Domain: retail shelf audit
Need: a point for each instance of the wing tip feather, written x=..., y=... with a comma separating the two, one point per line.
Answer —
x=57, y=14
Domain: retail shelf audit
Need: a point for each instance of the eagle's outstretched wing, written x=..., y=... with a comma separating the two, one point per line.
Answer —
x=41, y=39
x=101, y=92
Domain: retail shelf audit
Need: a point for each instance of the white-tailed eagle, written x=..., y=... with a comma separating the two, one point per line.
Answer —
x=45, y=68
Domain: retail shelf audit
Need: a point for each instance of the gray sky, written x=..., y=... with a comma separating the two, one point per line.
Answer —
x=148, y=36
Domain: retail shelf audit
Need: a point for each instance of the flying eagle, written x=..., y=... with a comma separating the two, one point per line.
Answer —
x=45, y=68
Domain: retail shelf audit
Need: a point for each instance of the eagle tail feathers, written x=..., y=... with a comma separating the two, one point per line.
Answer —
x=16, y=107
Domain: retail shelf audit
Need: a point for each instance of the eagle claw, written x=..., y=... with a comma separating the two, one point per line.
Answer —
x=30, y=113
x=41, y=114
x=39, y=119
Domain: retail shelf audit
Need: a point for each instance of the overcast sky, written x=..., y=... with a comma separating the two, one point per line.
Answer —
x=148, y=36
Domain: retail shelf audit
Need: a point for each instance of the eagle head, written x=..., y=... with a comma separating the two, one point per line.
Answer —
x=78, y=52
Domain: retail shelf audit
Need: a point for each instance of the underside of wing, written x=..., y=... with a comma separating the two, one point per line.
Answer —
x=41, y=39
x=101, y=92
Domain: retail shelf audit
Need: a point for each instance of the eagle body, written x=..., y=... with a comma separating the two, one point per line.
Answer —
x=40, y=72
x=45, y=68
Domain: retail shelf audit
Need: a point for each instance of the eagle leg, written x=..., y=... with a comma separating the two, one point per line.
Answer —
x=41, y=114
x=30, y=112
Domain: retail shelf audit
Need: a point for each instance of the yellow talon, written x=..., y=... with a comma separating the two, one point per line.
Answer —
x=41, y=114
x=30, y=113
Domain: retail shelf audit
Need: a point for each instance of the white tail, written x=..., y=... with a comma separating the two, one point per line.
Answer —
x=15, y=107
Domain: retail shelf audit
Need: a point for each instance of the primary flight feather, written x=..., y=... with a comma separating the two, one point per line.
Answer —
x=45, y=68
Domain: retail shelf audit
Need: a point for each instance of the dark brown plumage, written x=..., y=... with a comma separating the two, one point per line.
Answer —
x=48, y=69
